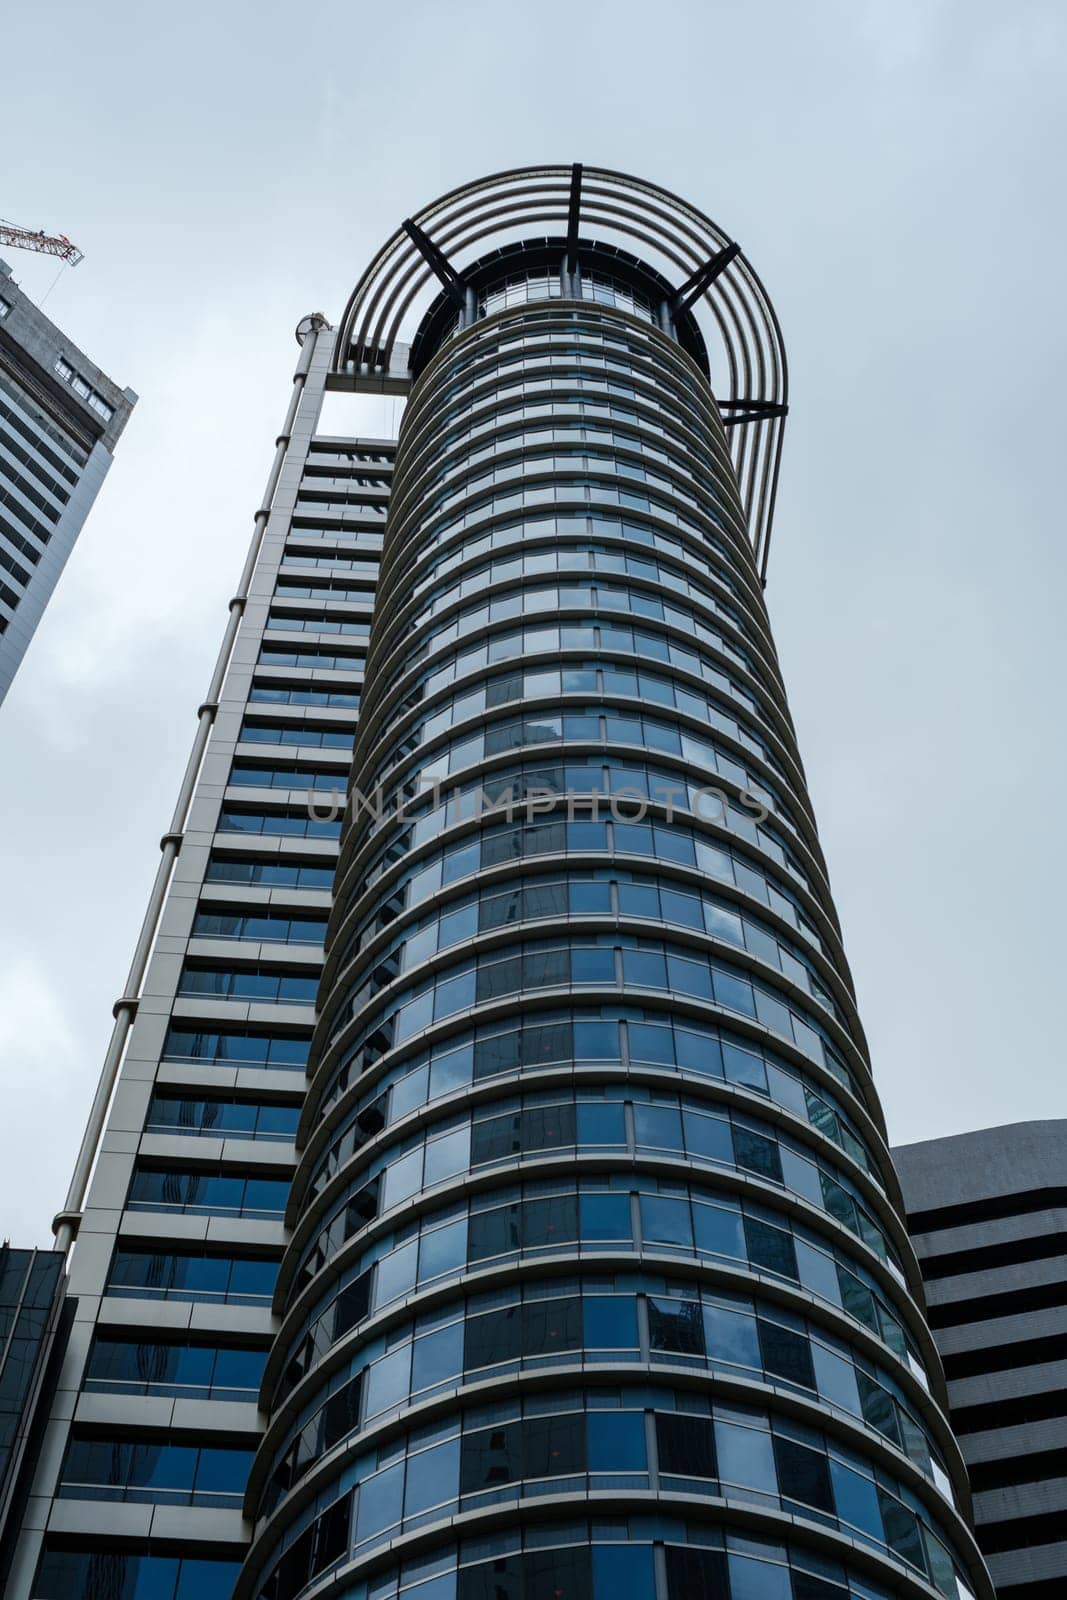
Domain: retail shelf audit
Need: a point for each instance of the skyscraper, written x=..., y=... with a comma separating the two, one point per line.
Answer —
x=574, y=1266
x=986, y=1216
x=60, y=420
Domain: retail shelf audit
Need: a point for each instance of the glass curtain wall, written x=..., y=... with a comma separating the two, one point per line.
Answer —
x=594, y=1286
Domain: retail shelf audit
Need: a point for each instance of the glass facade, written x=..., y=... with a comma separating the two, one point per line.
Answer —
x=31, y=1337
x=58, y=432
x=594, y=1282
x=494, y=1201
x=139, y=1492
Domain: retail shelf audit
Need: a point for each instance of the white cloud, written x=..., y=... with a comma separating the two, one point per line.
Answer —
x=892, y=188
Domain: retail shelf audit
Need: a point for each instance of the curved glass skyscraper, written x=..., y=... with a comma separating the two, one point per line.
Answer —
x=596, y=1285
x=591, y=1281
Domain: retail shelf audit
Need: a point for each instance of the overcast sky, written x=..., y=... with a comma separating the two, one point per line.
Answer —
x=894, y=171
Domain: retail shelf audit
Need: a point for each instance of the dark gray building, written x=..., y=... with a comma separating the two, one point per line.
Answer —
x=31, y=1313
x=60, y=420
x=988, y=1218
x=491, y=1198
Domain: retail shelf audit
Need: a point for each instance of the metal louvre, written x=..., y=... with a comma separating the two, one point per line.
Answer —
x=748, y=363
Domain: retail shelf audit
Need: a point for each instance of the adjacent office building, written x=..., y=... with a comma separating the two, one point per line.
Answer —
x=987, y=1217
x=487, y=1196
x=60, y=420
x=32, y=1318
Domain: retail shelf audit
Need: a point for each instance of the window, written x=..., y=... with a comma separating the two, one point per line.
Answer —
x=756, y=1153
x=285, y=875
x=330, y=1541
x=686, y=1445
x=230, y=1119
x=746, y=1459
x=489, y=1457
x=151, y=1471
x=67, y=1574
x=856, y=1499
x=786, y=1354
x=211, y=1193
x=732, y=1336
x=44, y=426
x=665, y=1220
x=623, y=1569
x=617, y=1441
x=676, y=1325
x=294, y=695
x=301, y=733
x=119, y=1365
x=694, y=1574
x=283, y=824
x=902, y=1533
x=803, y=1475
x=273, y=926
x=177, y=1275
x=770, y=1248
x=808, y=1586
x=237, y=1047
x=81, y=387
x=492, y=1338
x=244, y=775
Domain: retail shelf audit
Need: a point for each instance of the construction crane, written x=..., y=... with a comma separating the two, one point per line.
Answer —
x=45, y=244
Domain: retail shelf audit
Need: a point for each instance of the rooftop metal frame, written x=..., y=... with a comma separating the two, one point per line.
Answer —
x=587, y=205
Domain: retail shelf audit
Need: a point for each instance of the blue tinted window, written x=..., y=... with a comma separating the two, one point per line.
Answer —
x=443, y=1587
x=601, y=1124
x=770, y=1247
x=719, y=1231
x=380, y=1501
x=689, y=977
x=239, y=1369
x=280, y=1120
x=437, y=1357
x=610, y=1322
x=745, y=1457
x=676, y=1325
x=254, y=1278
x=596, y=1041
x=396, y=1272
x=758, y=1580
x=605, y=1216
x=659, y=1127
x=651, y=1043
x=223, y=1471
x=665, y=1220
x=856, y=1499
x=387, y=1380
x=707, y=1138
x=818, y=1272
x=732, y=1336
x=590, y=965
x=616, y=1441
x=443, y=1250
x=83, y=1575
x=697, y=1052
x=734, y=993
x=645, y=968
x=835, y=1378
x=623, y=1569
x=432, y=1477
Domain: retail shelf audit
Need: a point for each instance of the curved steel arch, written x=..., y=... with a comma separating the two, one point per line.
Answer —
x=748, y=363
